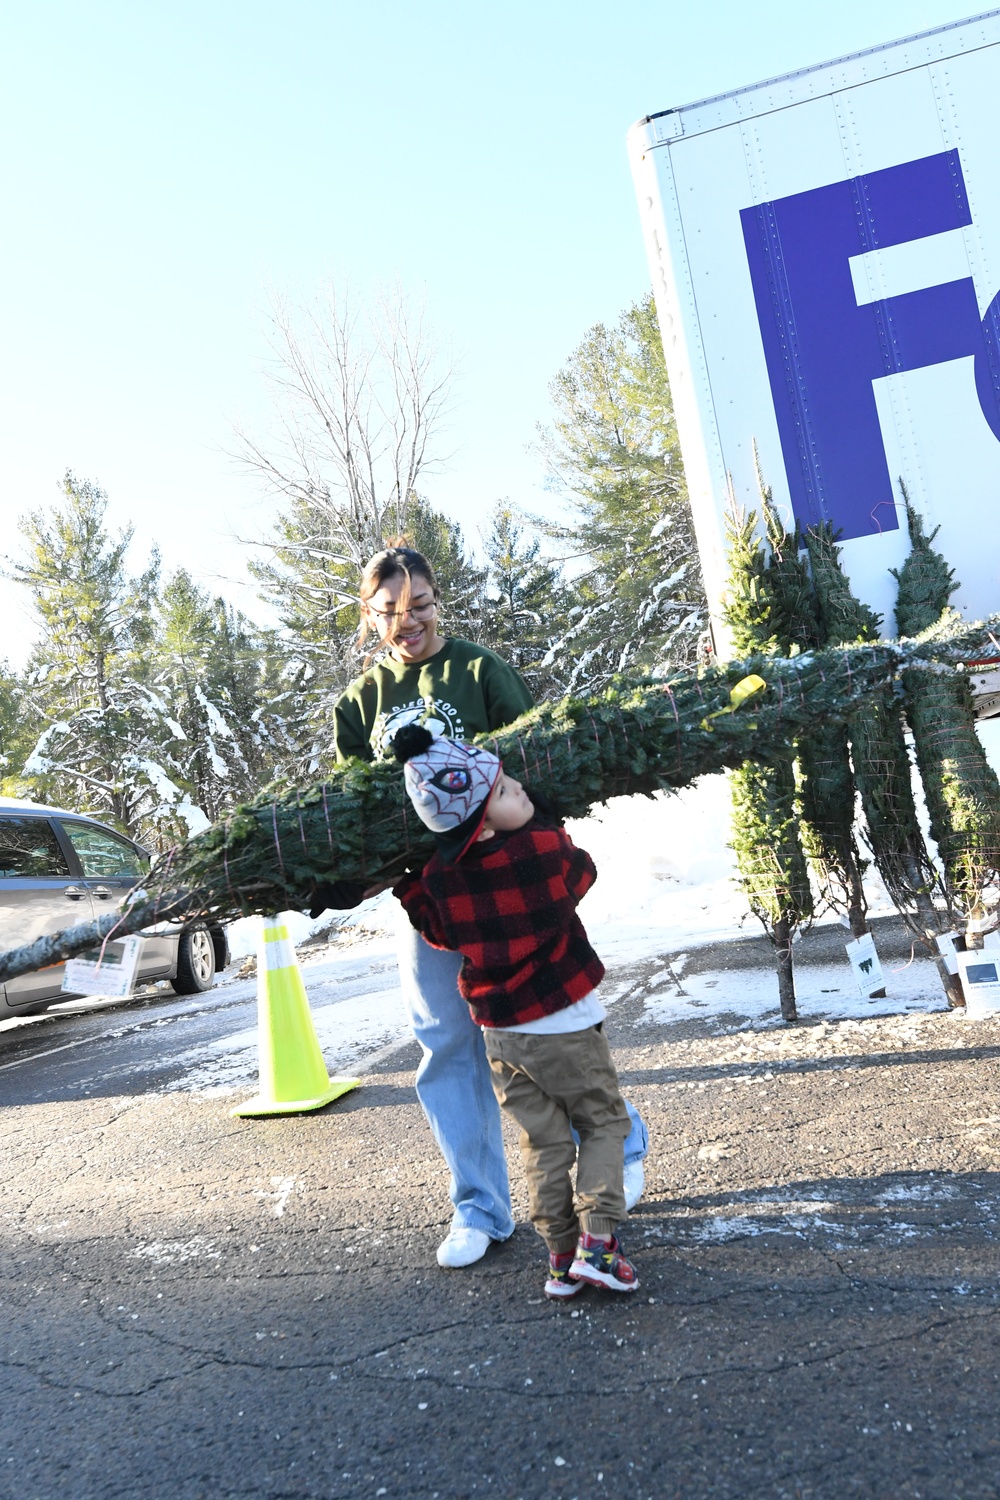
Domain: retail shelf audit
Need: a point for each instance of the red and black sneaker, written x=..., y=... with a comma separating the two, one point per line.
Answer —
x=601, y=1263
x=558, y=1284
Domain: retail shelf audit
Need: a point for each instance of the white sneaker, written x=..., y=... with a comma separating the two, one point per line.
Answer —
x=462, y=1247
x=634, y=1181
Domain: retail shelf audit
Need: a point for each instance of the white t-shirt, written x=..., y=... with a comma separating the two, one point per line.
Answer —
x=576, y=1017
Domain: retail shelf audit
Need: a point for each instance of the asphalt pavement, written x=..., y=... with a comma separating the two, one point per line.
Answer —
x=193, y=1305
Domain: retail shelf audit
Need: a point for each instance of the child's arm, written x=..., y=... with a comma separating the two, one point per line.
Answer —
x=579, y=870
x=421, y=910
x=558, y=874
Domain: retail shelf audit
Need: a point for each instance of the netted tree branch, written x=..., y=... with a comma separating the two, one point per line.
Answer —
x=878, y=749
x=960, y=785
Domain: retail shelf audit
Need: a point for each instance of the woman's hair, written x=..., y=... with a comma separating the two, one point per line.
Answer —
x=397, y=560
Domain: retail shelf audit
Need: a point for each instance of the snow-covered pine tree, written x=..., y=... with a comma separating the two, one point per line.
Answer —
x=461, y=579
x=208, y=673
x=881, y=763
x=13, y=750
x=960, y=786
x=312, y=586
x=524, y=600
x=638, y=600
x=765, y=830
x=99, y=728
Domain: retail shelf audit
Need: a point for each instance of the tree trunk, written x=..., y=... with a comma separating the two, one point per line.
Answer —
x=786, y=977
x=857, y=918
x=929, y=924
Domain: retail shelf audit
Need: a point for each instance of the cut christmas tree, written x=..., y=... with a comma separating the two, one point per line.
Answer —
x=960, y=786
x=765, y=834
x=882, y=765
x=826, y=790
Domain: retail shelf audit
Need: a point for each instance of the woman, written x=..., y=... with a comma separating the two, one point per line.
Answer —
x=457, y=690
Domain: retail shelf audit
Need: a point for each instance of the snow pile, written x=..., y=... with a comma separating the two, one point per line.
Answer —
x=664, y=867
x=749, y=996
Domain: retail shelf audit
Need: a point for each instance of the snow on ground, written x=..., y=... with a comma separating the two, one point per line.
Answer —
x=749, y=996
x=664, y=871
x=356, y=1007
x=372, y=918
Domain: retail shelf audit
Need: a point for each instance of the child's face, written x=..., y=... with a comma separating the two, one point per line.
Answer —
x=508, y=809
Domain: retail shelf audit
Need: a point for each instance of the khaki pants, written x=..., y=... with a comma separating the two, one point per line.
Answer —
x=551, y=1085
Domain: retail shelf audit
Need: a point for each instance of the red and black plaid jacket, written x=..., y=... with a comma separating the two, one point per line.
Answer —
x=509, y=907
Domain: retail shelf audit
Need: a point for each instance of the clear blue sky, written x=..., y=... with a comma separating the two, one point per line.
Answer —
x=165, y=165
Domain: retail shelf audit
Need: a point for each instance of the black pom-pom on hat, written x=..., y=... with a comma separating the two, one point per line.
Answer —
x=411, y=740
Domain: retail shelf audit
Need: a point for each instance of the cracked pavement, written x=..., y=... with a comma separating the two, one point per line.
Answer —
x=197, y=1306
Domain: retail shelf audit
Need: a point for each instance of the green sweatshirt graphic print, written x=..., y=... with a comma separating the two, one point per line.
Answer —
x=463, y=691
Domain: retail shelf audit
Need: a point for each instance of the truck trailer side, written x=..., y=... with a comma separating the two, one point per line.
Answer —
x=825, y=256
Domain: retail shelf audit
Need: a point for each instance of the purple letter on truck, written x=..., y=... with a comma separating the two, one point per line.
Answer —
x=823, y=350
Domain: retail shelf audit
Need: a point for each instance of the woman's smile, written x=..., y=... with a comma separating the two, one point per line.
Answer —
x=405, y=614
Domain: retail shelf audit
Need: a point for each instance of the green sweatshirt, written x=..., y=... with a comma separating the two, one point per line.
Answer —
x=463, y=691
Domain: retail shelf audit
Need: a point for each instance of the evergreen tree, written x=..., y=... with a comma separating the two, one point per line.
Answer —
x=312, y=589
x=461, y=580
x=961, y=788
x=613, y=455
x=524, y=600
x=766, y=840
x=880, y=761
x=208, y=673
x=825, y=781
x=13, y=745
x=100, y=728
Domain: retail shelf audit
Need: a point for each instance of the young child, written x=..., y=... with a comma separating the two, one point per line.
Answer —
x=502, y=889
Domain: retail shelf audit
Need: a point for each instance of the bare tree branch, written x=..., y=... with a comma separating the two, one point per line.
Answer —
x=360, y=403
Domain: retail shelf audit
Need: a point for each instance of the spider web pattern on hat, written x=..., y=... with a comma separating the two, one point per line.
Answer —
x=449, y=782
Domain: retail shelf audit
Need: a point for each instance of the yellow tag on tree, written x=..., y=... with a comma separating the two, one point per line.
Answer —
x=746, y=688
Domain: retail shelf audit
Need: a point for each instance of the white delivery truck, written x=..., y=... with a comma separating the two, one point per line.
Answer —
x=825, y=254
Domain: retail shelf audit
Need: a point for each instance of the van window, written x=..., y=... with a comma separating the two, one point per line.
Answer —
x=30, y=850
x=101, y=854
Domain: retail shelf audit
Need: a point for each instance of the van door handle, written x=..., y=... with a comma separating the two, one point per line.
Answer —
x=74, y=892
x=102, y=891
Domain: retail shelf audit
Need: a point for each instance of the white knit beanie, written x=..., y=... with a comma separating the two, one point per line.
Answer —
x=449, y=784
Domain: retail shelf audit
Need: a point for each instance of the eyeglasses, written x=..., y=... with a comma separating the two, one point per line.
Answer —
x=418, y=611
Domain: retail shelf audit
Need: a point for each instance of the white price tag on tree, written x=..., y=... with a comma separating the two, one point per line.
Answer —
x=866, y=965
x=980, y=975
x=946, y=948
x=112, y=973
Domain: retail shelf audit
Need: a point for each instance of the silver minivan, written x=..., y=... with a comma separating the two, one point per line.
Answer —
x=60, y=868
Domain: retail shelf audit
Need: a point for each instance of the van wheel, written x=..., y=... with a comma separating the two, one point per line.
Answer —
x=195, y=962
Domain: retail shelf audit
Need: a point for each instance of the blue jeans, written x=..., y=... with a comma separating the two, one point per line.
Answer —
x=455, y=1089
